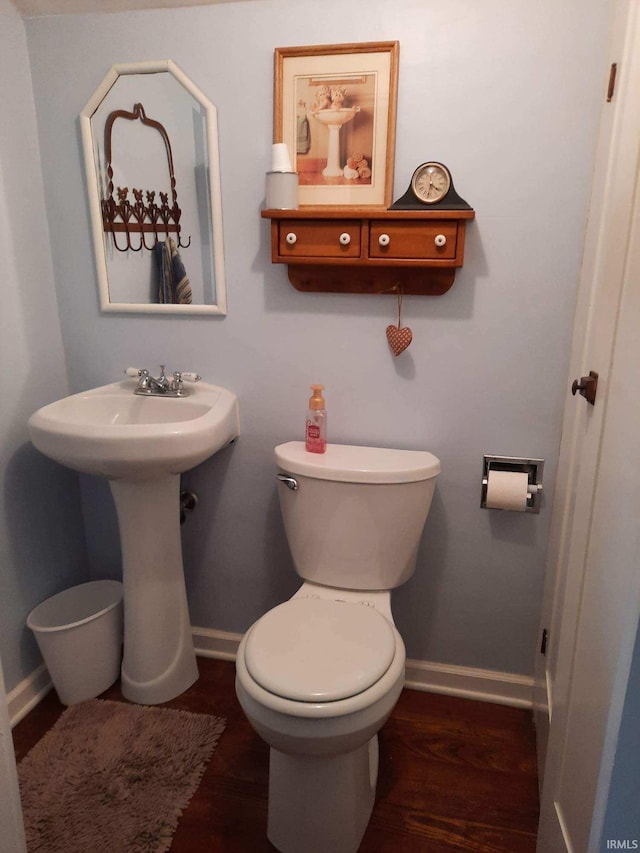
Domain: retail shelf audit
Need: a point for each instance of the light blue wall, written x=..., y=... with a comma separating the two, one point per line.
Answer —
x=509, y=96
x=41, y=536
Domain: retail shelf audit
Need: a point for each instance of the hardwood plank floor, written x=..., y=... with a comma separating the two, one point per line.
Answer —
x=455, y=775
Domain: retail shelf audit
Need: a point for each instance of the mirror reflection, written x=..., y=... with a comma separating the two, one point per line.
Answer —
x=150, y=144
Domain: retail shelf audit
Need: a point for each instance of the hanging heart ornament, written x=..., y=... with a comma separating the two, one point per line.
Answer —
x=399, y=337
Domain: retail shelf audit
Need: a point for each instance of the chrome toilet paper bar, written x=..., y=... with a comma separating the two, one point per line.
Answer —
x=512, y=493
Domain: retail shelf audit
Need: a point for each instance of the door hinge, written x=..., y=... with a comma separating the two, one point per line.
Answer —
x=544, y=641
x=612, y=81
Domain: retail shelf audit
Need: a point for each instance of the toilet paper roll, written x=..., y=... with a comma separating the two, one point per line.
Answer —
x=507, y=490
x=280, y=159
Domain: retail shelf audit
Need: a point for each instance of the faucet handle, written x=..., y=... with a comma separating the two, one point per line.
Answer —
x=136, y=372
x=179, y=377
x=187, y=377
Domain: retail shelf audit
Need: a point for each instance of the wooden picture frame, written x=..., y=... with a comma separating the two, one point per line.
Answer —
x=335, y=107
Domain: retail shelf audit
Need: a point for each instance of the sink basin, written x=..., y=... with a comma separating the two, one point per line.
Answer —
x=336, y=117
x=142, y=445
x=112, y=432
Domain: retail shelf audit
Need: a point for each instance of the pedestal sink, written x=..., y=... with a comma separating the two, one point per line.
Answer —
x=334, y=119
x=142, y=445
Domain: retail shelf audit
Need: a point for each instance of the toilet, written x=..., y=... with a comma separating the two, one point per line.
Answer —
x=318, y=675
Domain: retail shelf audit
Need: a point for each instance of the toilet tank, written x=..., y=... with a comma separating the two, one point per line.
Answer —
x=355, y=519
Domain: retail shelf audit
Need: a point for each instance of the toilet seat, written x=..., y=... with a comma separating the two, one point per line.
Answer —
x=318, y=650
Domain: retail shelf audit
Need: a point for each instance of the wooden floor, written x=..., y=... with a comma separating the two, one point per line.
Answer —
x=455, y=775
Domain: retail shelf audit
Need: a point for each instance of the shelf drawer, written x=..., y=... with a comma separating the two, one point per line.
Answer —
x=335, y=238
x=432, y=240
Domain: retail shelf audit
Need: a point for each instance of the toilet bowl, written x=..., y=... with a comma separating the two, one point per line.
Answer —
x=318, y=675
x=324, y=754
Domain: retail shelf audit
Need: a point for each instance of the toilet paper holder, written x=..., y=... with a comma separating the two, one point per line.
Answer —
x=533, y=468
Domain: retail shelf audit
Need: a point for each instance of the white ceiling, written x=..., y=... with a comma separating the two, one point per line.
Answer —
x=38, y=8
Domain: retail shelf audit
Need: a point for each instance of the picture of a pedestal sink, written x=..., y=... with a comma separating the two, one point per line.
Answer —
x=334, y=120
x=142, y=445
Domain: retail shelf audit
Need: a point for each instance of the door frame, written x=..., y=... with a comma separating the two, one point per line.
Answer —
x=10, y=806
x=601, y=282
x=588, y=578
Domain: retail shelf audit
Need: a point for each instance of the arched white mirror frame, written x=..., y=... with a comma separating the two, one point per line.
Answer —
x=93, y=189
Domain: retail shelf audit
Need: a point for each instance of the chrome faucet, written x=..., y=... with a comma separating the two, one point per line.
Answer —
x=148, y=386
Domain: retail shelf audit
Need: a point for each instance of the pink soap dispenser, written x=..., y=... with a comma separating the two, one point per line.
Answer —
x=316, y=428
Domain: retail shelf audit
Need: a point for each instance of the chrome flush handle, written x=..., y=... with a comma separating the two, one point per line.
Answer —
x=289, y=482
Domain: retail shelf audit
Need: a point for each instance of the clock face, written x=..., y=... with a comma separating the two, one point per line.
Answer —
x=430, y=182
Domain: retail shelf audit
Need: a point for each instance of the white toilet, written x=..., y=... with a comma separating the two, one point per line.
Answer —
x=318, y=675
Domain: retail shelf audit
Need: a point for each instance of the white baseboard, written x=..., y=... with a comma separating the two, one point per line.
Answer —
x=210, y=643
x=28, y=693
x=483, y=685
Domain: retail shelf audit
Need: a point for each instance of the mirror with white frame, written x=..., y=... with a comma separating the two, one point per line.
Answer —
x=159, y=250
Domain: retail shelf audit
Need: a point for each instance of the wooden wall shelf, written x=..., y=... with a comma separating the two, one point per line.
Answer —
x=369, y=250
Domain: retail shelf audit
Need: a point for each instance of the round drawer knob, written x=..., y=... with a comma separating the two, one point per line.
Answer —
x=440, y=240
x=291, y=238
x=384, y=239
x=345, y=239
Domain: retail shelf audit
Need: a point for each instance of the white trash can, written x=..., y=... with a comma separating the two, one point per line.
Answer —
x=79, y=632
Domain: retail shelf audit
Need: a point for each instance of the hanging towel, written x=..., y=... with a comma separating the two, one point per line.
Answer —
x=164, y=280
x=303, y=135
x=174, y=285
x=181, y=285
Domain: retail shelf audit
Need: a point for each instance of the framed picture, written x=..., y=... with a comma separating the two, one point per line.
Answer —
x=335, y=107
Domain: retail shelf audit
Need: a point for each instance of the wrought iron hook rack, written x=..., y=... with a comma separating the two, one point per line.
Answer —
x=143, y=216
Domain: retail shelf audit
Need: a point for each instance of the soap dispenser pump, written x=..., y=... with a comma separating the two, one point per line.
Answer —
x=316, y=427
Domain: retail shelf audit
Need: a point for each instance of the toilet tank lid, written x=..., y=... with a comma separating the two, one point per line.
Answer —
x=354, y=464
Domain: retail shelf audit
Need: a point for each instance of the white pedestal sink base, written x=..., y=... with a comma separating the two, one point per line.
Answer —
x=333, y=120
x=333, y=169
x=141, y=444
x=159, y=660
